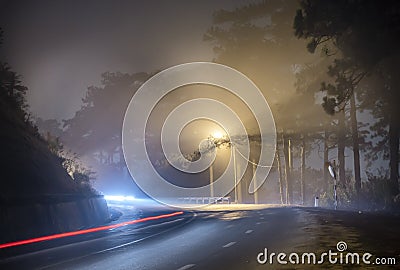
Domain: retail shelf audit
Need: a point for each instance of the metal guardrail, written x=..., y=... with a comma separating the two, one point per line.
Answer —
x=205, y=200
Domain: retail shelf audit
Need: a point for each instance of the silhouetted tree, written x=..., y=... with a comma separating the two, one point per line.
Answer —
x=258, y=40
x=12, y=90
x=49, y=127
x=365, y=34
x=96, y=128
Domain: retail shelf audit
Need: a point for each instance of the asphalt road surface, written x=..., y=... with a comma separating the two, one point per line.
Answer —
x=219, y=237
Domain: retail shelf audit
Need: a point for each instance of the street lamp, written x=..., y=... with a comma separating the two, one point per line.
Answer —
x=217, y=138
x=217, y=135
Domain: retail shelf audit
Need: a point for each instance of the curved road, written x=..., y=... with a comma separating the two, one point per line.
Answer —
x=215, y=238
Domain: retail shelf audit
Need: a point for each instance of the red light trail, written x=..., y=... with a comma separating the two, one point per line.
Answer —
x=102, y=228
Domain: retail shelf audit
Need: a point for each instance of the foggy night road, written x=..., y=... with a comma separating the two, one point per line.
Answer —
x=212, y=239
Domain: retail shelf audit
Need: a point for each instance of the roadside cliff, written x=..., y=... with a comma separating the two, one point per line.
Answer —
x=37, y=195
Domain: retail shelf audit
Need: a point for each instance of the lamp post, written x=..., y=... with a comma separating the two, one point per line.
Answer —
x=219, y=139
x=211, y=181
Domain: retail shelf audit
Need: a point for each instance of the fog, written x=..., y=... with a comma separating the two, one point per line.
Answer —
x=331, y=94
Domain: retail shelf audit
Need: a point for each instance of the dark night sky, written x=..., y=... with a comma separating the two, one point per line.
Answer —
x=61, y=47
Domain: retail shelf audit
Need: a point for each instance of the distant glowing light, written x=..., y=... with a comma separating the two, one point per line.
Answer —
x=73, y=233
x=218, y=135
x=119, y=198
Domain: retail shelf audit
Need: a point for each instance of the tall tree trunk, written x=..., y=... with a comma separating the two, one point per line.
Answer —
x=356, y=147
x=326, y=157
x=394, y=153
x=254, y=167
x=290, y=148
x=211, y=180
x=289, y=184
x=278, y=163
x=341, y=147
x=394, y=121
x=303, y=170
x=239, y=184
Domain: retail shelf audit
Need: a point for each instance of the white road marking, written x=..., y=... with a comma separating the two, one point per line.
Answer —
x=248, y=231
x=229, y=244
x=188, y=266
x=112, y=248
x=258, y=223
x=261, y=217
x=229, y=226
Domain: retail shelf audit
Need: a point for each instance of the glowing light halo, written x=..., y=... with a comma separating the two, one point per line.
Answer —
x=217, y=112
x=153, y=90
x=217, y=135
